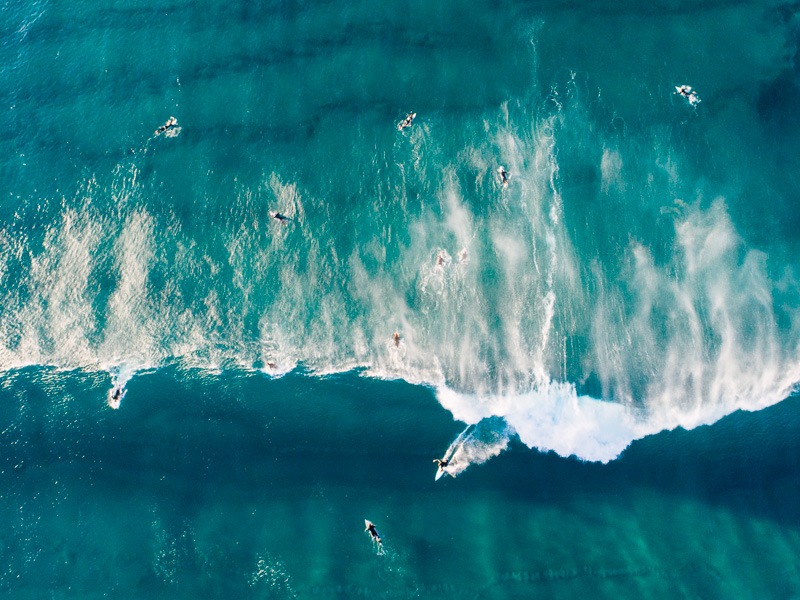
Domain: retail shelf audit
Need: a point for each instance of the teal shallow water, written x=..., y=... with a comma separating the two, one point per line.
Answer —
x=238, y=486
x=638, y=274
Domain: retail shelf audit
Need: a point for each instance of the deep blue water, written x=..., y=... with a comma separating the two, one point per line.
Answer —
x=608, y=347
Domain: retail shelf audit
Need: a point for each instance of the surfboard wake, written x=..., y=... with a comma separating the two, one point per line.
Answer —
x=475, y=445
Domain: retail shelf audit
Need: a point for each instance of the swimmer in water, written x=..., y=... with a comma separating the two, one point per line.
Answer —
x=407, y=121
x=279, y=217
x=396, y=339
x=504, y=175
x=171, y=122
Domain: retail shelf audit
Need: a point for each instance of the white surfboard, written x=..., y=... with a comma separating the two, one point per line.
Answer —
x=407, y=122
x=448, y=456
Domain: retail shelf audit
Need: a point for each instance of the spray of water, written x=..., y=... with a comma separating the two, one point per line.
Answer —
x=501, y=299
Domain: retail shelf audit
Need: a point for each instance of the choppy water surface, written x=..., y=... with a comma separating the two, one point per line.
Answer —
x=637, y=274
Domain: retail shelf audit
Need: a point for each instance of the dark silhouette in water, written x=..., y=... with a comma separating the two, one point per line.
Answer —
x=171, y=122
x=280, y=217
x=373, y=533
x=407, y=121
x=504, y=175
x=687, y=92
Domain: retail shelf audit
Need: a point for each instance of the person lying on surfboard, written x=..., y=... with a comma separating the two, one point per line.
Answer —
x=279, y=217
x=373, y=533
x=171, y=122
x=407, y=121
x=504, y=175
x=687, y=92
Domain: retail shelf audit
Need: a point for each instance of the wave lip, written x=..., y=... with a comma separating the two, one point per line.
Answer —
x=554, y=417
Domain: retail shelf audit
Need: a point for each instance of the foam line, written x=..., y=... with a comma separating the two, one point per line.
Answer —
x=500, y=301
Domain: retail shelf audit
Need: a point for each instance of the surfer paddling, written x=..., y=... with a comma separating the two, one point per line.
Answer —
x=687, y=92
x=369, y=527
x=503, y=175
x=171, y=122
x=279, y=217
x=407, y=121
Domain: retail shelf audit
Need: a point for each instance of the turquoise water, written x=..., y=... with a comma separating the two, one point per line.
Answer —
x=237, y=486
x=607, y=347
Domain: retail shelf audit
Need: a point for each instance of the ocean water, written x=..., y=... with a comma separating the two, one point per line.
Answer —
x=607, y=348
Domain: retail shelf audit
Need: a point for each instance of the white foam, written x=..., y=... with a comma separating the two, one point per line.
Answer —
x=477, y=444
x=120, y=376
x=677, y=340
x=553, y=417
x=720, y=350
x=611, y=171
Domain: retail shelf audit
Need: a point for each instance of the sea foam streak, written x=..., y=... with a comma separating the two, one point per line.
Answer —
x=506, y=306
x=701, y=335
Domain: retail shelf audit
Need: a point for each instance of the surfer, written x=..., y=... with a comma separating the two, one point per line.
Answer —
x=373, y=533
x=115, y=399
x=439, y=259
x=407, y=121
x=279, y=217
x=504, y=175
x=687, y=92
x=171, y=122
x=441, y=467
x=396, y=339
